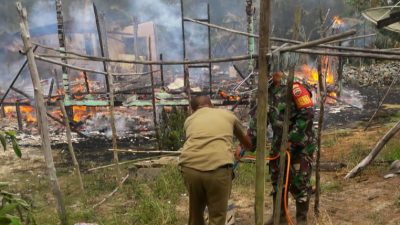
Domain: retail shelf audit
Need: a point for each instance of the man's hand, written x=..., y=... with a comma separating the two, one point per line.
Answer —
x=239, y=153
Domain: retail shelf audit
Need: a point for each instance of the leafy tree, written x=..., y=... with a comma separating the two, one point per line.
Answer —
x=12, y=205
x=10, y=135
x=172, y=134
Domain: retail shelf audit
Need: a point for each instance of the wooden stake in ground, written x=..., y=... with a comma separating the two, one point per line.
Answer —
x=101, y=28
x=41, y=114
x=284, y=147
x=70, y=147
x=379, y=146
x=153, y=98
x=262, y=108
x=321, y=90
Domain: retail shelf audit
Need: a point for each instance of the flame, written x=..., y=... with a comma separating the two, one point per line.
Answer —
x=9, y=110
x=311, y=74
x=27, y=112
x=79, y=112
x=337, y=22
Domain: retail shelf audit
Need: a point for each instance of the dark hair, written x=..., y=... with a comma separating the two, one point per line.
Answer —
x=200, y=100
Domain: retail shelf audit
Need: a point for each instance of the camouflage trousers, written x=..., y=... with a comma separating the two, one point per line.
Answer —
x=299, y=177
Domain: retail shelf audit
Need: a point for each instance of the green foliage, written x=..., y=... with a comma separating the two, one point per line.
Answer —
x=11, y=205
x=172, y=135
x=155, y=201
x=10, y=135
x=358, y=152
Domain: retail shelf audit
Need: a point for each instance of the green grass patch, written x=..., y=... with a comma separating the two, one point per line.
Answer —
x=391, y=151
x=331, y=186
x=358, y=151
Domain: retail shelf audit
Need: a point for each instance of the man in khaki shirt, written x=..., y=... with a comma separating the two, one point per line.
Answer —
x=206, y=160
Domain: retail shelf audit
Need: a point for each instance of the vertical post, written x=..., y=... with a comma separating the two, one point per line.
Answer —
x=209, y=48
x=56, y=79
x=322, y=94
x=183, y=39
x=187, y=85
x=103, y=51
x=250, y=40
x=50, y=90
x=19, y=116
x=61, y=41
x=340, y=74
x=153, y=97
x=102, y=31
x=41, y=114
x=86, y=82
x=262, y=109
x=162, y=72
x=70, y=147
x=2, y=112
x=135, y=40
x=284, y=147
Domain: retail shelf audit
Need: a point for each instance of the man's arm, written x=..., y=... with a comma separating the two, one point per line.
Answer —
x=244, y=139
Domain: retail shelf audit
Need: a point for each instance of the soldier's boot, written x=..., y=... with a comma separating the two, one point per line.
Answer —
x=270, y=220
x=301, y=212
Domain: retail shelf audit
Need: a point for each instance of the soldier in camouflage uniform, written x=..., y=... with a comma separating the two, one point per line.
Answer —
x=301, y=139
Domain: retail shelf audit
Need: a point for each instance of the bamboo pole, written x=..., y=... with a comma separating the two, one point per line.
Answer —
x=322, y=94
x=112, y=193
x=70, y=146
x=284, y=147
x=41, y=114
x=381, y=102
x=209, y=51
x=187, y=85
x=146, y=151
x=101, y=28
x=153, y=97
x=19, y=116
x=262, y=108
x=375, y=151
x=318, y=41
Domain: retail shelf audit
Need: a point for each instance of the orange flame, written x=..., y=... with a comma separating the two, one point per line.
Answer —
x=337, y=21
x=79, y=112
x=27, y=112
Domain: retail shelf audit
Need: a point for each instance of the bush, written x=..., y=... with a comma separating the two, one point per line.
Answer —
x=171, y=131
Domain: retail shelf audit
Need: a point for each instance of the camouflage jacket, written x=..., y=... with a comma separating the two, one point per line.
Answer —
x=301, y=133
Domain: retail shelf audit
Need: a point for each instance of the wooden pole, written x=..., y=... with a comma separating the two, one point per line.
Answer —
x=41, y=115
x=86, y=82
x=102, y=34
x=70, y=146
x=284, y=147
x=322, y=94
x=101, y=28
x=50, y=90
x=209, y=50
x=375, y=151
x=153, y=97
x=19, y=116
x=187, y=85
x=262, y=108
x=161, y=72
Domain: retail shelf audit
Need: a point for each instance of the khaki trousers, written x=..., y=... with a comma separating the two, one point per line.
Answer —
x=211, y=189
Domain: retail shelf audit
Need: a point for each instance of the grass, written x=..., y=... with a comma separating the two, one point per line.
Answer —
x=331, y=186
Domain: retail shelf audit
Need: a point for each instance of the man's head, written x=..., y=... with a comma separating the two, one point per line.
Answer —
x=200, y=102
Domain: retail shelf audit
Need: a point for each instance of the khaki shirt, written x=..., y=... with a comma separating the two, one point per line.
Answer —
x=209, y=133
